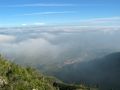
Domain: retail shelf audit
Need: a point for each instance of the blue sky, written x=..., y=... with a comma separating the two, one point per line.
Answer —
x=50, y=12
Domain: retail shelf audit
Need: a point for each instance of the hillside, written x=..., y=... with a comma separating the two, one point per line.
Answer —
x=15, y=77
x=104, y=71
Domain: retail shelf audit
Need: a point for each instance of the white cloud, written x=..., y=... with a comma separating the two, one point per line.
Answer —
x=48, y=13
x=112, y=21
x=36, y=24
x=51, y=5
x=39, y=23
x=37, y=50
x=49, y=46
x=95, y=24
x=6, y=38
x=39, y=5
x=104, y=19
x=24, y=24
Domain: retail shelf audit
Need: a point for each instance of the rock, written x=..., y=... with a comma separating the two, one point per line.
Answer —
x=3, y=82
x=34, y=89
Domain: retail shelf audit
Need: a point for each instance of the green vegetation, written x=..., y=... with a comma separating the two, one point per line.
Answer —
x=15, y=77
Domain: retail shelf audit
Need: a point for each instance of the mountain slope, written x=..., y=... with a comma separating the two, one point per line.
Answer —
x=103, y=71
x=15, y=77
x=20, y=78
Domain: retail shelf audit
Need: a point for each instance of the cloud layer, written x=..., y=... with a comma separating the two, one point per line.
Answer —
x=41, y=45
x=6, y=38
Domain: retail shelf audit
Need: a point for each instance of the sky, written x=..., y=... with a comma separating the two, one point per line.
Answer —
x=49, y=30
x=57, y=12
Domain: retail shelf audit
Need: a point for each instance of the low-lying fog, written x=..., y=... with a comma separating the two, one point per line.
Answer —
x=47, y=45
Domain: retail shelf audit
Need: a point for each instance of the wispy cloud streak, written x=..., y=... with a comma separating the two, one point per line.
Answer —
x=48, y=13
x=51, y=5
x=112, y=21
x=38, y=5
x=104, y=19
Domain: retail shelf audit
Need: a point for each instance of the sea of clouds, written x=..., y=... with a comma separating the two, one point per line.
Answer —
x=40, y=45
